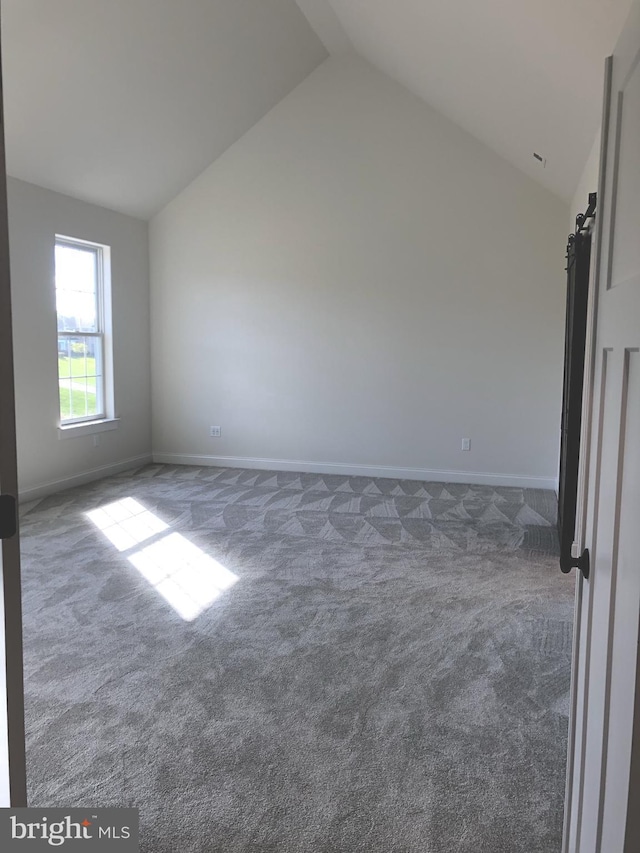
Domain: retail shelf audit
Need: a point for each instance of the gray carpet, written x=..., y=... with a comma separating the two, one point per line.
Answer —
x=378, y=665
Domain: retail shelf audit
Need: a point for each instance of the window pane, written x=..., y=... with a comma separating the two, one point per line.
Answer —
x=80, y=376
x=64, y=351
x=76, y=288
x=92, y=404
x=78, y=404
x=65, y=399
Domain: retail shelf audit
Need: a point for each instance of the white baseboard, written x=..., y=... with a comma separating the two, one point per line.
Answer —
x=50, y=488
x=434, y=475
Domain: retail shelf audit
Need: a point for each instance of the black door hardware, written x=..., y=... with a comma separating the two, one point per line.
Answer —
x=578, y=265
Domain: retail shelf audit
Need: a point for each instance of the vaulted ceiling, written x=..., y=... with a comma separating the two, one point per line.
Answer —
x=124, y=102
x=520, y=76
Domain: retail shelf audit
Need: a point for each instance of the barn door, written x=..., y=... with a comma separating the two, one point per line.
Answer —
x=603, y=791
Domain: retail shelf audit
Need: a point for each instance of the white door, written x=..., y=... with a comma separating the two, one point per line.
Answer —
x=12, y=758
x=603, y=785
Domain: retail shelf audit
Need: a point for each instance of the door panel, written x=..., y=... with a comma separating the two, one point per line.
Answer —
x=602, y=587
x=606, y=721
x=622, y=659
x=625, y=242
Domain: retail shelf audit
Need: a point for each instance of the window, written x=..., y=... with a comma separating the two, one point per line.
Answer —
x=83, y=309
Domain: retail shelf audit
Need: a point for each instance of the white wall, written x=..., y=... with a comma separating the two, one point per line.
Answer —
x=357, y=282
x=44, y=462
x=588, y=183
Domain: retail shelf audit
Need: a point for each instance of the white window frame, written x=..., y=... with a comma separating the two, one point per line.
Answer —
x=105, y=419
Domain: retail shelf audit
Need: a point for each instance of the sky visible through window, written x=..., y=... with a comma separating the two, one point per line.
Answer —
x=76, y=289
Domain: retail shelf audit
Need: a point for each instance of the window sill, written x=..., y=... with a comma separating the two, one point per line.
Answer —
x=88, y=428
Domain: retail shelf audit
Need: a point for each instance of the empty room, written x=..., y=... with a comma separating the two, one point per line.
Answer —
x=300, y=372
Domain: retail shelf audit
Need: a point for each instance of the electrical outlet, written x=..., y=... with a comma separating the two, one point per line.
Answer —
x=96, y=440
x=466, y=444
x=215, y=432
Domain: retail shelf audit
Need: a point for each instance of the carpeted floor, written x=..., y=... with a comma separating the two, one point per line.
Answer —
x=300, y=663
